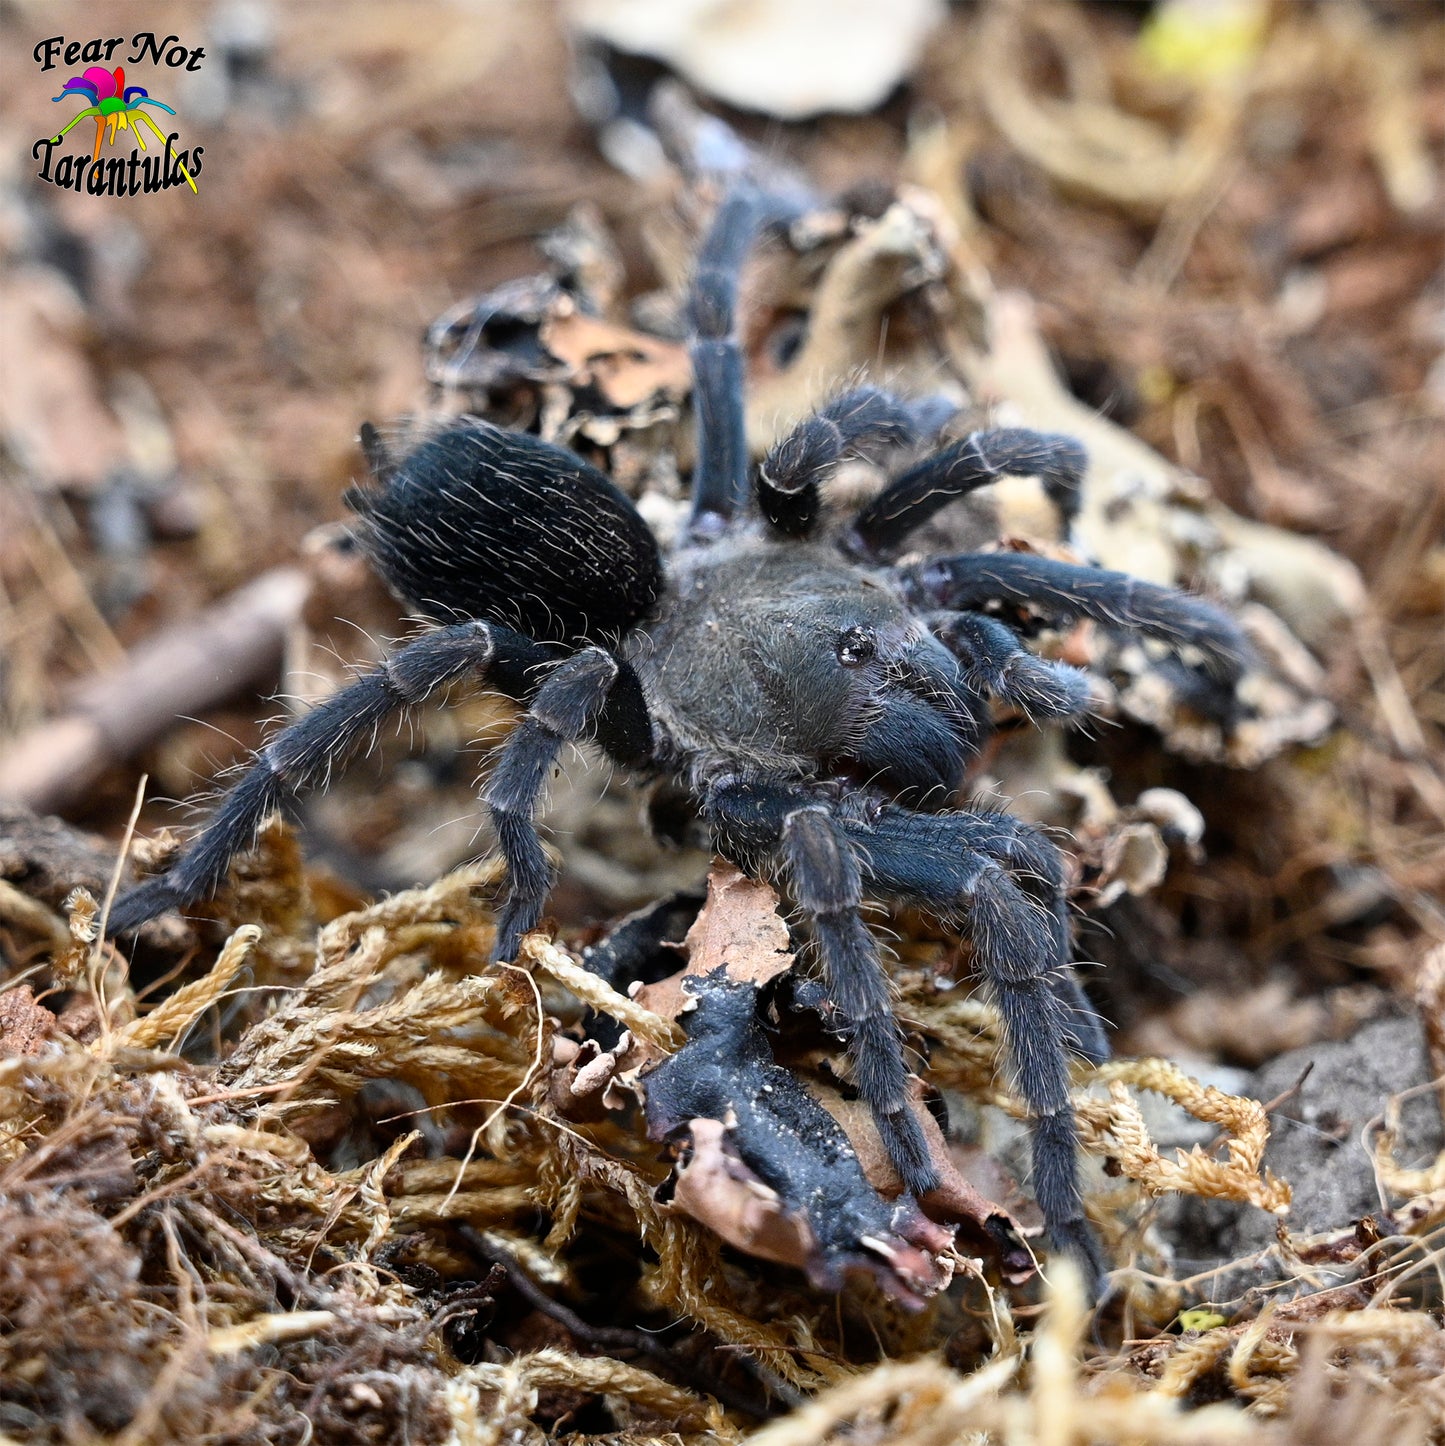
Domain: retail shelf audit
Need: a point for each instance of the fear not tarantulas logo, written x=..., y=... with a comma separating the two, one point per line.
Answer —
x=116, y=106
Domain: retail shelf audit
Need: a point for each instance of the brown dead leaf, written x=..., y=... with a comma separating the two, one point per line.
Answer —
x=715, y=1187
x=739, y=931
x=629, y=368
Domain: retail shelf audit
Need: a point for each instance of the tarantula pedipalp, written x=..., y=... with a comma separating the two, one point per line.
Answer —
x=818, y=705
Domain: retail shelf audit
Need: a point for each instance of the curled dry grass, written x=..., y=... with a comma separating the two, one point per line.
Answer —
x=223, y=1245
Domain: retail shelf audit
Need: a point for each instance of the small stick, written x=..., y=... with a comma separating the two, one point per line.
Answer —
x=180, y=671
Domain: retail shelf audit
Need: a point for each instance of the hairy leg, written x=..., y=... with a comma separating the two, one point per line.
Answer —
x=1064, y=590
x=881, y=528
x=592, y=695
x=994, y=661
x=777, y=829
x=794, y=470
x=1037, y=868
x=973, y=869
x=720, y=476
x=303, y=754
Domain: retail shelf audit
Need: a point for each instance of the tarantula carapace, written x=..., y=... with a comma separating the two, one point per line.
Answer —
x=818, y=705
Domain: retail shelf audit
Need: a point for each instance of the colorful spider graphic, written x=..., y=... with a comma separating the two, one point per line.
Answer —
x=114, y=104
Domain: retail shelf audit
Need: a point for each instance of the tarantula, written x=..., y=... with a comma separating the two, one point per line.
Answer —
x=818, y=705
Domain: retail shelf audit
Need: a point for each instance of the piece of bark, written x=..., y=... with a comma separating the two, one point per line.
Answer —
x=25, y=1026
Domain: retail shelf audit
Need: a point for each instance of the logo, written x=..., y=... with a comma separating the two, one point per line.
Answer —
x=115, y=107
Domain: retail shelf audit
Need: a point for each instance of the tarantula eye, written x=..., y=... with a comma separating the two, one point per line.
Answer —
x=855, y=647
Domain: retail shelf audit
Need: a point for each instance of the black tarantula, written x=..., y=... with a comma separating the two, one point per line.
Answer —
x=818, y=705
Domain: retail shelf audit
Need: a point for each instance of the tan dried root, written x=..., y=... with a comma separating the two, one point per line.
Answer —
x=1322, y=1375
x=1420, y=1189
x=177, y=1013
x=971, y=1059
x=1341, y=1378
x=1087, y=144
x=1117, y=1129
x=33, y=916
x=664, y=1035
x=491, y=1403
x=1220, y=64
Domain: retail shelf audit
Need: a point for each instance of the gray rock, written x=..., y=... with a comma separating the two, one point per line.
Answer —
x=1315, y=1138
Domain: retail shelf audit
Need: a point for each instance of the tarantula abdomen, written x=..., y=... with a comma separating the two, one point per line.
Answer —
x=477, y=522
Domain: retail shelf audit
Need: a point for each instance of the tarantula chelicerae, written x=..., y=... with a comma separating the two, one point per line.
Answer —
x=817, y=705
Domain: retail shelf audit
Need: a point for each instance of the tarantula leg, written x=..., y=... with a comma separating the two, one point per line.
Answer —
x=906, y=503
x=720, y=477
x=994, y=661
x=590, y=695
x=1063, y=590
x=828, y=885
x=793, y=471
x=307, y=750
x=1038, y=868
x=1083, y=1029
x=949, y=864
x=761, y=826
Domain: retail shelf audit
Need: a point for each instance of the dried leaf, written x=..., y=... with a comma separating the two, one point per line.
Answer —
x=955, y=1201
x=628, y=369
